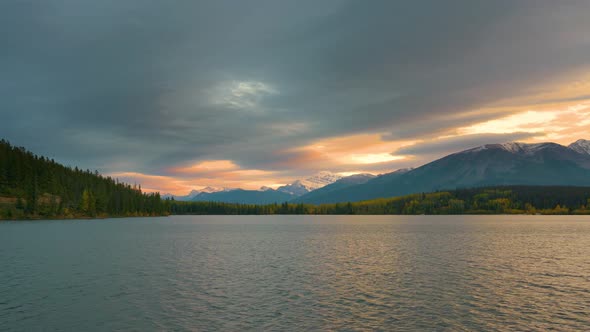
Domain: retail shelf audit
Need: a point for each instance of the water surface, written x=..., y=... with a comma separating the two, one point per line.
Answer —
x=401, y=273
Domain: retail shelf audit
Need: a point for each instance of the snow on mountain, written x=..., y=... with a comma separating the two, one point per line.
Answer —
x=212, y=189
x=513, y=163
x=296, y=188
x=191, y=194
x=324, y=193
x=539, y=164
x=581, y=146
x=319, y=180
x=358, y=177
x=513, y=147
x=517, y=147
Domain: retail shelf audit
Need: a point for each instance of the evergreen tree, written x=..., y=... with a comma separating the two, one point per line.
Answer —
x=43, y=188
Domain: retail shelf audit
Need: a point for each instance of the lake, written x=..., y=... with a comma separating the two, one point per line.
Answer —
x=403, y=273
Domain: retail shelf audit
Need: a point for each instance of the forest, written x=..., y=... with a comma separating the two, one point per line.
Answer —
x=491, y=200
x=34, y=187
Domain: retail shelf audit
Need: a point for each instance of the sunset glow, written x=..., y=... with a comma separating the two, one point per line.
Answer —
x=180, y=103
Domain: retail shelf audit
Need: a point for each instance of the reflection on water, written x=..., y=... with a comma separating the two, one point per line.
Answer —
x=297, y=272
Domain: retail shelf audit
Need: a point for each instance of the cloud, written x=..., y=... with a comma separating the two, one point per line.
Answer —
x=152, y=183
x=181, y=184
x=145, y=86
x=530, y=121
x=459, y=143
x=241, y=95
x=374, y=158
x=205, y=167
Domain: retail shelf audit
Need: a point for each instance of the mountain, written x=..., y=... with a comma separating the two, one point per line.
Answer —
x=581, y=146
x=242, y=196
x=265, y=195
x=343, y=191
x=301, y=187
x=195, y=192
x=487, y=165
x=481, y=200
x=181, y=197
x=328, y=190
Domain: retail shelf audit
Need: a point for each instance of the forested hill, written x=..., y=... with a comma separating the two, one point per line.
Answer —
x=37, y=187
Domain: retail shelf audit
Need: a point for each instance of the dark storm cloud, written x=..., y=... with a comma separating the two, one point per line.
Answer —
x=142, y=85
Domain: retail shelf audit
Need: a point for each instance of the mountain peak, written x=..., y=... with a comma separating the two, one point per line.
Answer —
x=195, y=192
x=319, y=180
x=360, y=176
x=581, y=146
x=514, y=163
x=514, y=147
x=526, y=148
x=207, y=189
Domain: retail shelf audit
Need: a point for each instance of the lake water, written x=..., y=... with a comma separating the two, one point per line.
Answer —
x=406, y=273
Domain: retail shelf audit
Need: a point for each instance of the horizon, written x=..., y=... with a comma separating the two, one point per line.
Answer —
x=275, y=186
x=211, y=189
x=245, y=95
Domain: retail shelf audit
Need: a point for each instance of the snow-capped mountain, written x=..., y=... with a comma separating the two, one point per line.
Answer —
x=296, y=188
x=581, y=146
x=487, y=165
x=321, y=179
x=513, y=147
x=266, y=195
x=209, y=189
x=512, y=163
x=325, y=192
x=300, y=187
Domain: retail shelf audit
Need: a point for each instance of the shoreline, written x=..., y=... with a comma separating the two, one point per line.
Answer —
x=314, y=215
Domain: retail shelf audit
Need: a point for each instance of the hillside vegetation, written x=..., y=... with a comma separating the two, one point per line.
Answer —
x=33, y=187
x=491, y=200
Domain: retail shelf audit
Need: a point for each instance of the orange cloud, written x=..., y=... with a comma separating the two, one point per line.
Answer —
x=153, y=183
x=558, y=112
x=218, y=173
x=205, y=167
x=562, y=124
x=348, y=150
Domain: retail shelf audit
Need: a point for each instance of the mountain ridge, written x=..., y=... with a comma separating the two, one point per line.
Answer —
x=486, y=165
x=193, y=193
x=301, y=187
x=581, y=146
x=344, y=182
x=511, y=163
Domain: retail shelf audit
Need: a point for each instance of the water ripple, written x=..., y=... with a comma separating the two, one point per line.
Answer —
x=492, y=273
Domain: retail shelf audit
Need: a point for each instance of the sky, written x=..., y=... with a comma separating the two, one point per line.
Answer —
x=179, y=95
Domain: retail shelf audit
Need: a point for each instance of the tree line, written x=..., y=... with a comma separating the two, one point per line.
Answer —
x=491, y=200
x=33, y=186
